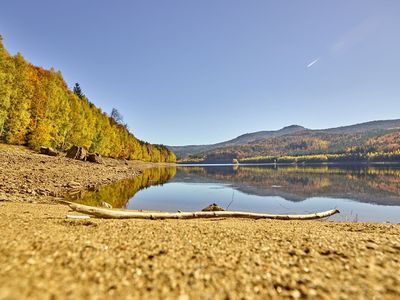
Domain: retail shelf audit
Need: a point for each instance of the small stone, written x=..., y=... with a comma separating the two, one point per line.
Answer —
x=48, y=151
x=295, y=294
x=94, y=158
x=371, y=245
x=213, y=207
x=106, y=205
x=312, y=292
x=73, y=184
x=93, y=188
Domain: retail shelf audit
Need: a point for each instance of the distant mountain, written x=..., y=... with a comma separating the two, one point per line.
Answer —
x=183, y=151
x=367, y=126
x=297, y=140
x=251, y=137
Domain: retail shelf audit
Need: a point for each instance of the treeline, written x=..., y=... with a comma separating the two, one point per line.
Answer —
x=38, y=109
x=325, y=158
x=309, y=147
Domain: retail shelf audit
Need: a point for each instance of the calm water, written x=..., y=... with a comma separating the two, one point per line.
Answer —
x=361, y=193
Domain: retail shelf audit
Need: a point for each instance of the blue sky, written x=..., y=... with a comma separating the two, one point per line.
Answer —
x=194, y=72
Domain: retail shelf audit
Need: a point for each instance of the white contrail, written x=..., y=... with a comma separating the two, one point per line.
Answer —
x=312, y=63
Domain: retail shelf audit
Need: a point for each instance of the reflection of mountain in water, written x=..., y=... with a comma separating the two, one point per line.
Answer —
x=119, y=193
x=379, y=185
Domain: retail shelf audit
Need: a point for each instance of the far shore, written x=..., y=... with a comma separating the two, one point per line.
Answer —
x=344, y=163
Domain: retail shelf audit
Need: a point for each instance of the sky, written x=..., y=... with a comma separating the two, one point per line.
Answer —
x=199, y=72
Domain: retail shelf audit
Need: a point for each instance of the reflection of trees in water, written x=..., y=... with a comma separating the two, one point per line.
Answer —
x=299, y=180
x=364, y=183
x=119, y=193
x=368, y=184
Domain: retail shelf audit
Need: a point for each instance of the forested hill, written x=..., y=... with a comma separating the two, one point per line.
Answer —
x=38, y=109
x=184, y=151
x=376, y=140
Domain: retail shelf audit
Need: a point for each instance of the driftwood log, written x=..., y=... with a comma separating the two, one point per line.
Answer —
x=127, y=214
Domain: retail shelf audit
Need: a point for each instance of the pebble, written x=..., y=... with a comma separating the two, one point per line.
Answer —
x=370, y=245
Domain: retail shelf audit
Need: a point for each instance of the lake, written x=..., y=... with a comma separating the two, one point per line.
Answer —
x=361, y=193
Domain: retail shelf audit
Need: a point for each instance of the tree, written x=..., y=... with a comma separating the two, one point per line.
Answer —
x=117, y=117
x=6, y=82
x=17, y=124
x=78, y=91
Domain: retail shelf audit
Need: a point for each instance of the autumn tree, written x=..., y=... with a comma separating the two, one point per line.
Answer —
x=6, y=81
x=16, y=125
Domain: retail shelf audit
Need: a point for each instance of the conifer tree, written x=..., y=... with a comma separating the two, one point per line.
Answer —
x=78, y=91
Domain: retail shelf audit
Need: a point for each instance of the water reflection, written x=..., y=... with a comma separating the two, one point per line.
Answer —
x=378, y=185
x=362, y=193
x=118, y=194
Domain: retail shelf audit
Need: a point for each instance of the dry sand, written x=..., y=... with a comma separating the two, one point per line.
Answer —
x=43, y=255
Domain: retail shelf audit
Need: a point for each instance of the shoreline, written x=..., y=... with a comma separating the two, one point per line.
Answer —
x=46, y=256
x=349, y=163
x=27, y=176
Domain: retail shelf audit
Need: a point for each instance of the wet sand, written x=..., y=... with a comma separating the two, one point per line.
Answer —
x=43, y=255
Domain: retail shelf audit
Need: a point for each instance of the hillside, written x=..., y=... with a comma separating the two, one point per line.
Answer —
x=184, y=151
x=372, y=138
x=38, y=109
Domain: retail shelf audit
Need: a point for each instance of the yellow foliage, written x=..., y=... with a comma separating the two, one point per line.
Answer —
x=38, y=109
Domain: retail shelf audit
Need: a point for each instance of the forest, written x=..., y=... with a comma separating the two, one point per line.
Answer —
x=308, y=146
x=38, y=109
x=324, y=158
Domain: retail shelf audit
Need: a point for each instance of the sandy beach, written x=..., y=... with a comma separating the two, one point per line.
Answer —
x=43, y=255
